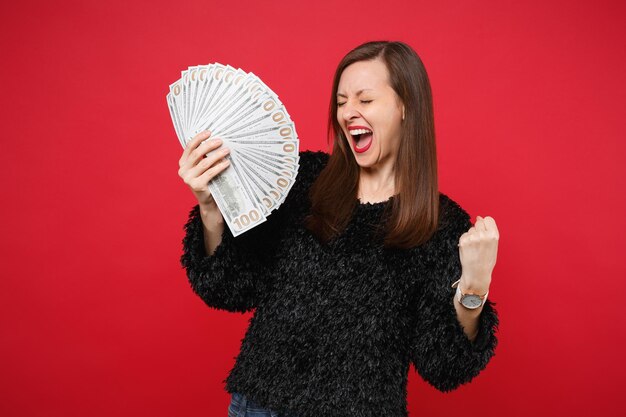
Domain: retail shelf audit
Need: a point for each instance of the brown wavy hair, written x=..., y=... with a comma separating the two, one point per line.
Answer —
x=412, y=217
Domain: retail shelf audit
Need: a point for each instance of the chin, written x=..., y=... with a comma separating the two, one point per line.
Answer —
x=367, y=159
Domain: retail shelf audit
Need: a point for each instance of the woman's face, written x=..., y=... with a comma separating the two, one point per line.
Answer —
x=370, y=113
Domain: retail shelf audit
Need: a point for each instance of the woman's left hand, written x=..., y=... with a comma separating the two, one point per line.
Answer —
x=478, y=250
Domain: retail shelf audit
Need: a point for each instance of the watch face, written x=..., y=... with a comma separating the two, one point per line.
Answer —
x=471, y=301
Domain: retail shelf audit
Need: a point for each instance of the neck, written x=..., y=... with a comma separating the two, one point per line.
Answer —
x=377, y=183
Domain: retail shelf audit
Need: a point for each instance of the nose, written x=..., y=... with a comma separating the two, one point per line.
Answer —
x=348, y=111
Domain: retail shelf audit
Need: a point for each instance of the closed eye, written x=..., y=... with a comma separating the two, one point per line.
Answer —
x=366, y=101
x=340, y=104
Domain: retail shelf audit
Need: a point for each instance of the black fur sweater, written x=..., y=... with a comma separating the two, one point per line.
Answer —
x=336, y=326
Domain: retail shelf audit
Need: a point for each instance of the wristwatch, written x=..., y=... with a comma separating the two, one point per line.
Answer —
x=469, y=300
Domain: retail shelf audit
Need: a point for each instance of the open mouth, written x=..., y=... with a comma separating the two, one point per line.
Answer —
x=362, y=138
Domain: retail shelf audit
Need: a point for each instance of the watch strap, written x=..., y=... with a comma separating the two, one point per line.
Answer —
x=459, y=294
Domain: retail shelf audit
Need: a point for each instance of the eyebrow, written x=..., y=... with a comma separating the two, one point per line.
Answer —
x=357, y=93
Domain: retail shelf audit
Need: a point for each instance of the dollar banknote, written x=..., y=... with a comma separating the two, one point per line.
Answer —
x=253, y=123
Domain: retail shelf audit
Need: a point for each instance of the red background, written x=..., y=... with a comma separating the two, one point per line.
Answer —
x=97, y=317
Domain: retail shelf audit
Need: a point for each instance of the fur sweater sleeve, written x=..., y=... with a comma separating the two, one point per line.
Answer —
x=441, y=352
x=240, y=270
x=237, y=273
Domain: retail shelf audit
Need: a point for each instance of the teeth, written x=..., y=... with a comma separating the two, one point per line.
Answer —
x=359, y=131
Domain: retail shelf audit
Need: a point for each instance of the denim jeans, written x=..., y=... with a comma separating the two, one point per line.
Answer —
x=241, y=406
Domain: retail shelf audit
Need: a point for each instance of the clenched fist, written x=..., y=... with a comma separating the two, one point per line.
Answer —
x=478, y=250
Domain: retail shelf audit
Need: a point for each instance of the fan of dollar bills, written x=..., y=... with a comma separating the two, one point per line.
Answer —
x=240, y=109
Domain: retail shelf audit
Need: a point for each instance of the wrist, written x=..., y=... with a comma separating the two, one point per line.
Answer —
x=472, y=299
x=474, y=285
x=208, y=209
x=212, y=218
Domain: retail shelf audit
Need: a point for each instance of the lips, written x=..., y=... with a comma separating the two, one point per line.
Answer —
x=362, y=138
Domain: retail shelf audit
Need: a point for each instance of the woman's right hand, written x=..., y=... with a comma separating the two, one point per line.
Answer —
x=197, y=169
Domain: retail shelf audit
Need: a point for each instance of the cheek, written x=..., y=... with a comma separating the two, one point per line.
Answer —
x=395, y=122
x=391, y=126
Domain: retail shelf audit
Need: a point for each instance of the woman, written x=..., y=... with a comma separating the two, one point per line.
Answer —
x=353, y=278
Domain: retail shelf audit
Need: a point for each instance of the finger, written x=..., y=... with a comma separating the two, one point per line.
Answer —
x=201, y=152
x=207, y=163
x=193, y=144
x=200, y=183
x=463, y=239
x=480, y=224
x=490, y=223
x=214, y=171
